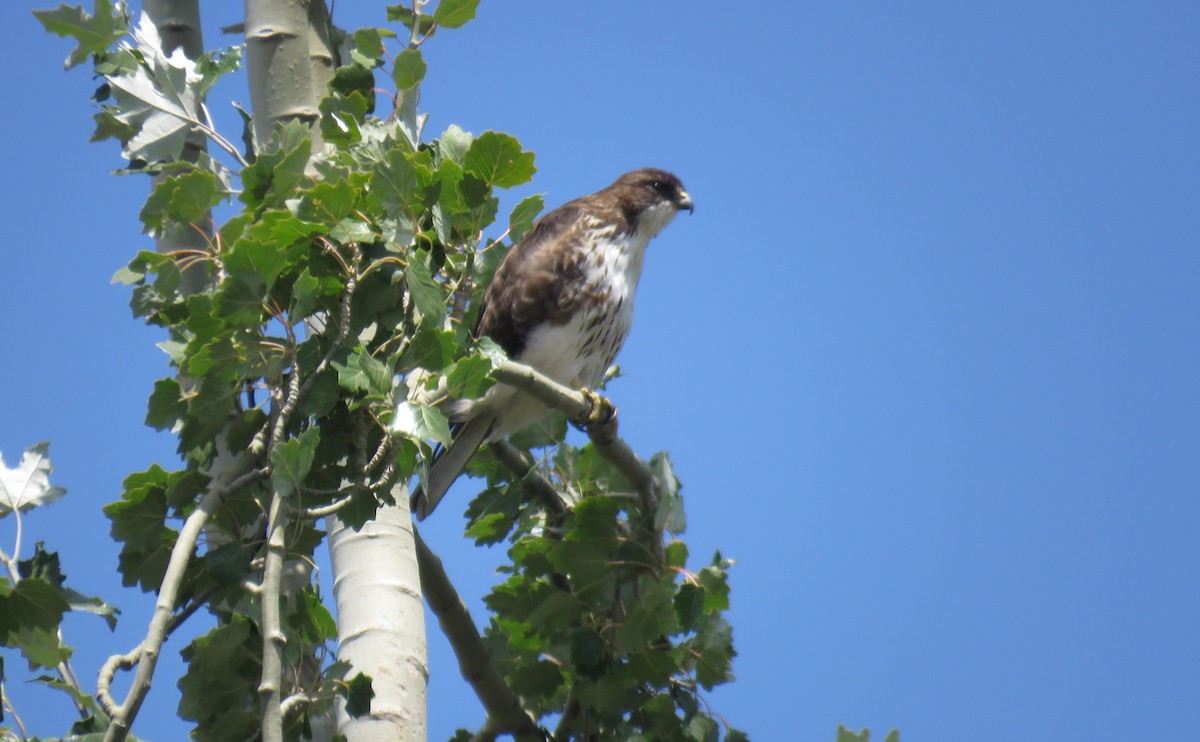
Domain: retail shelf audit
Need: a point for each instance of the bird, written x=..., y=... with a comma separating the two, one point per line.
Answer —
x=561, y=302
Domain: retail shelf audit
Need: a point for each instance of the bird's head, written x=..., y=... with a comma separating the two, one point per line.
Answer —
x=652, y=197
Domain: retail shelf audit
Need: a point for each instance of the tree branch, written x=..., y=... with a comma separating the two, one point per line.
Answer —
x=504, y=709
x=270, y=688
x=521, y=465
x=591, y=412
x=145, y=655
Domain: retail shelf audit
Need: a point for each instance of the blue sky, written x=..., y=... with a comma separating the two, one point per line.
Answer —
x=926, y=356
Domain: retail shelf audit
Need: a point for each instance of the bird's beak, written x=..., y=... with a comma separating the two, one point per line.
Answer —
x=684, y=202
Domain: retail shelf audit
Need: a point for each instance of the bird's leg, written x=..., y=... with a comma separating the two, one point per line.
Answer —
x=601, y=418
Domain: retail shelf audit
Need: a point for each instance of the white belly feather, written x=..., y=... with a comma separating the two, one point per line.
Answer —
x=578, y=352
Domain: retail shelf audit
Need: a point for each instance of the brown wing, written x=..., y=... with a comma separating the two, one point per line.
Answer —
x=538, y=281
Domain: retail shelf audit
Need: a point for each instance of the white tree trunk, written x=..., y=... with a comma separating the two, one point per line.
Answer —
x=381, y=622
x=380, y=613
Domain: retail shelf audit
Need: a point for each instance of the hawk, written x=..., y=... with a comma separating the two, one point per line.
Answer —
x=562, y=302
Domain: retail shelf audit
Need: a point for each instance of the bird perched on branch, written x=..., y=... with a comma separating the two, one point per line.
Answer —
x=562, y=302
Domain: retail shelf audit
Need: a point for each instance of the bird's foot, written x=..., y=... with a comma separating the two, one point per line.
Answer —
x=600, y=422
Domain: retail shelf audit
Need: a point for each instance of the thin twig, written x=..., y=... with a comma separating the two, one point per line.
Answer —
x=270, y=688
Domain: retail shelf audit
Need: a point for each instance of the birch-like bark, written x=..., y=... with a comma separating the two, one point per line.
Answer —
x=178, y=23
x=279, y=65
x=381, y=622
x=380, y=615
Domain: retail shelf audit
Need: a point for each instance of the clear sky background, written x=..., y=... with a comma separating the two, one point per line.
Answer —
x=926, y=356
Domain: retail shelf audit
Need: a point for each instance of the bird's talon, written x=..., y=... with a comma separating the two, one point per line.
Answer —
x=601, y=412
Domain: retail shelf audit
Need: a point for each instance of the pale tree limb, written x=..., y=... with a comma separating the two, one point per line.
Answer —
x=145, y=655
x=504, y=710
x=270, y=688
x=592, y=412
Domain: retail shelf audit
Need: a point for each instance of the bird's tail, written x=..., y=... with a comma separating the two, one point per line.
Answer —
x=449, y=463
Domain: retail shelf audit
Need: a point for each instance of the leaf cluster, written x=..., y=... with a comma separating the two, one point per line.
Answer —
x=34, y=596
x=596, y=618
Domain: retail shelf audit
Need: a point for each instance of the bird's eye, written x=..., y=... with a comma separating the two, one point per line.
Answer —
x=661, y=186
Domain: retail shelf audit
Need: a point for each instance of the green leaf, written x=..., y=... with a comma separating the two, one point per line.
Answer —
x=454, y=144
x=468, y=378
x=431, y=349
x=311, y=619
x=219, y=689
x=489, y=529
x=79, y=697
x=405, y=15
x=394, y=181
x=498, y=160
x=426, y=293
x=548, y=431
x=41, y=646
x=165, y=405
x=589, y=653
x=408, y=69
x=420, y=422
x=28, y=486
x=715, y=582
x=455, y=13
x=368, y=46
x=521, y=219
x=536, y=680
x=713, y=645
x=228, y=564
x=342, y=117
x=291, y=461
x=278, y=171
x=216, y=64
x=208, y=412
x=689, y=605
x=43, y=564
x=670, y=515
x=83, y=604
x=358, y=694
x=845, y=735
x=677, y=554
x=327, y=203
x=30, y=613
x=94, y=31
x=651, y=617
x=358, y=372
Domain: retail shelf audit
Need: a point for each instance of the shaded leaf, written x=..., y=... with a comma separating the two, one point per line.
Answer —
x=358, y=372
x=468, y=377
x=358, y=694
x=291, y=461
x=521, y=219
x=95, y=31
x=426, y=293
